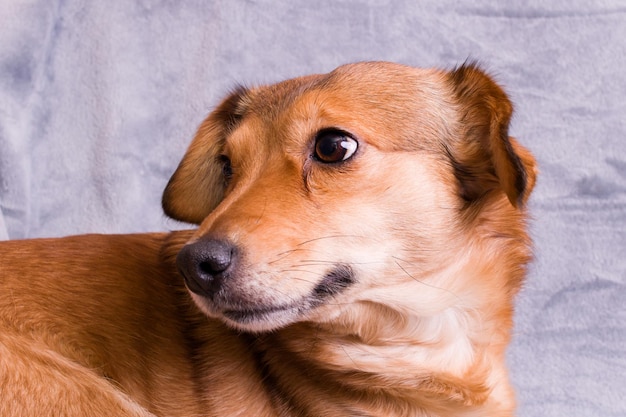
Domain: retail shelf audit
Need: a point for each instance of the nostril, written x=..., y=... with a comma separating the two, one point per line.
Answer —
x=217, y=262
x=204, y=264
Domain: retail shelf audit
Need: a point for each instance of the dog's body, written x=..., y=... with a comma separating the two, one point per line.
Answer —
x=362, y=235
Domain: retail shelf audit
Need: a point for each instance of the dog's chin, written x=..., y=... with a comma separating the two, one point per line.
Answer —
x=260, y=318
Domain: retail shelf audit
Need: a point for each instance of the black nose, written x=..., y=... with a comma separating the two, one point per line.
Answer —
x=205, y=264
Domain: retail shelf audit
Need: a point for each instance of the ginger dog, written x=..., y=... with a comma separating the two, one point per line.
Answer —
x=361, y=238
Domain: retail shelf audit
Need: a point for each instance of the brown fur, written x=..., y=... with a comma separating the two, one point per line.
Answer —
x=381, y=285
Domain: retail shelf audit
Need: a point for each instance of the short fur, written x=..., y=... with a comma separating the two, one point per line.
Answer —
x=380, y=285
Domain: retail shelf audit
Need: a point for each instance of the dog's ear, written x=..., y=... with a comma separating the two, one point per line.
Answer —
x=198, y=183
x=483, y=155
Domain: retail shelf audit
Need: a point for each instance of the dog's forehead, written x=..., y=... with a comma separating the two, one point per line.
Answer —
x=373, y=82
x=370, y=97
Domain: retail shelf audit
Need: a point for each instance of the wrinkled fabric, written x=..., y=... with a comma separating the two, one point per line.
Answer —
x=98, y=101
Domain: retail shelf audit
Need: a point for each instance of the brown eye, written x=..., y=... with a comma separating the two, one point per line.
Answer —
x=334, y=146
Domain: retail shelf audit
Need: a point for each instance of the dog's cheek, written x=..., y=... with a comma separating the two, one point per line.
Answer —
x=392, y=223
x=421, y=216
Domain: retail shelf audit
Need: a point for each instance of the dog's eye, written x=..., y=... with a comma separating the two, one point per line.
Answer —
x=334, y=146
x=227, y=170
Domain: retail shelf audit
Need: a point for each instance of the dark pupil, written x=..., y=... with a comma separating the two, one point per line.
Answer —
x=328, y=148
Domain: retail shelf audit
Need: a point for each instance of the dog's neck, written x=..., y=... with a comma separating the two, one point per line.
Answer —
x=395, y=364
x=415, y=360
x=375, y=339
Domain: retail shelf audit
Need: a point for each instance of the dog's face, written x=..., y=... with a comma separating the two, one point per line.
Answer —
x=326, y=195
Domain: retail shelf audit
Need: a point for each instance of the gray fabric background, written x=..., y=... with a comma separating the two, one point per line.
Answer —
x=98, y=101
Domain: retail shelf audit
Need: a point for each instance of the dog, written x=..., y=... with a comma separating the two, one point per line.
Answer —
x=361, y=237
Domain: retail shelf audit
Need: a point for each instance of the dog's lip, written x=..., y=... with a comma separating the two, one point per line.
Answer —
x=248, y=314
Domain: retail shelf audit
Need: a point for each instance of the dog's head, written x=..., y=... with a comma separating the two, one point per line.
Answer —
x=374, y=185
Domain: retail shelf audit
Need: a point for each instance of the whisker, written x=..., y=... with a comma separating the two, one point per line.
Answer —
x=418, y=250
x=350, y=357
x=325, y=237
x=298, y=271
x=422, y=282
x=313, y=262
x=283, y=255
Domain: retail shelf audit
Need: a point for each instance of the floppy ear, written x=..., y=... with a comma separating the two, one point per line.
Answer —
x=197, y=185
x=484, y=157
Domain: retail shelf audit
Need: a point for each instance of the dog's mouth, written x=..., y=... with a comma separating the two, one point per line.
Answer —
x=266, y=313
x=263, y=316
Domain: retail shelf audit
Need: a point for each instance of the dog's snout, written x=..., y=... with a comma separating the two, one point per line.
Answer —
x=205, y=264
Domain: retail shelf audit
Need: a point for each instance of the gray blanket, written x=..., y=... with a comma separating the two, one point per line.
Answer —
x=99, y=99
